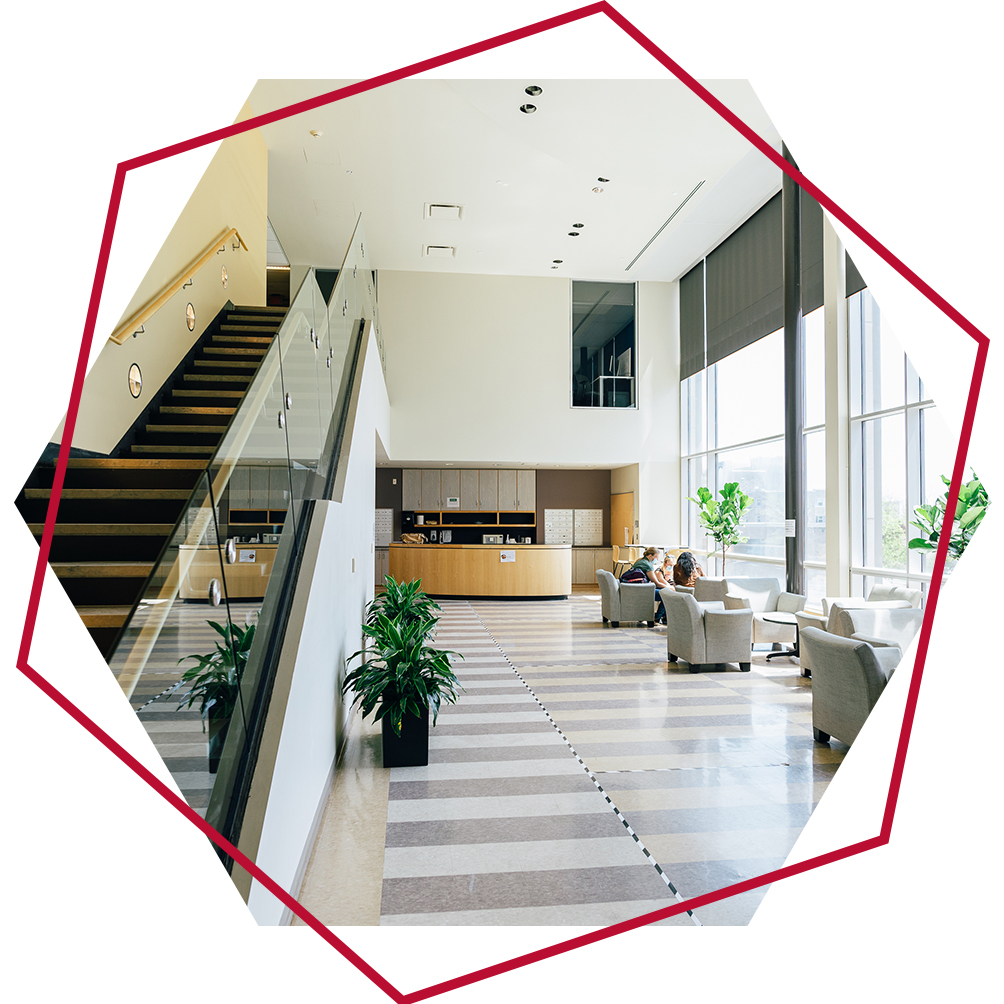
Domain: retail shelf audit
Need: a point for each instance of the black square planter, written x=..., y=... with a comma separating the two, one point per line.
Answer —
x=411, y=748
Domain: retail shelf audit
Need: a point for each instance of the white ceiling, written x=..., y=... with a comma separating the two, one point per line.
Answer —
x=522, y=180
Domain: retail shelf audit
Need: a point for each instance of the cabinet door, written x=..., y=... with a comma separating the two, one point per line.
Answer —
x=450, y=485
x=278, y=488
x=603, y=558
x=488, y=490
x=583, y=570
x=240, y=488
x=411, y=490
x=507, y=490
x=469, y=499
x=526, y=490
x=431, y=501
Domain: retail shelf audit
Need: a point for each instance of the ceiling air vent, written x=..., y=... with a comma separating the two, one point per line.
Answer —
x=439, y=251
x=438, y=211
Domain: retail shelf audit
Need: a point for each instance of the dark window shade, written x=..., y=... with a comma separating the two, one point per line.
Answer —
x=692, y=322
x=744, y=284
x=853, y=283
x=811, y=253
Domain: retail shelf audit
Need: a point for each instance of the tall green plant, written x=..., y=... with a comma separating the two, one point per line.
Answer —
x=973, y=502
x=399, y=674
x=405, y=600
x=722, y=519
x=216, y=678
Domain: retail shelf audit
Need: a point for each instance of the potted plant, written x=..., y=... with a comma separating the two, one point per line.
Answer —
x=973, y=501
x=400, y=677
x=722, y=519
x=215, y=684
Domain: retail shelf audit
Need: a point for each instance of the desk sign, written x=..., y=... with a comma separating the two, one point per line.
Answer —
x=507, y=555
x=248, y=556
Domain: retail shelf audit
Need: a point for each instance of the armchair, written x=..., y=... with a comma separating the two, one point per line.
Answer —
x=883, y=627
x=625, y=601
x=706, y=633
x=848, y=676
x=763, y=596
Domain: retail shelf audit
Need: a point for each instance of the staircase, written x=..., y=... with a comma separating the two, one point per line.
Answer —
x=116, y=513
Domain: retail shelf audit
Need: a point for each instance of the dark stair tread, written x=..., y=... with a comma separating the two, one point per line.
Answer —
x=201, y=429
x=104, y=617
x=105, y=529
x=236, y=364
x=217, y=378
x=188, y=409
x=133, y=463
x=102, y=569
x=234, y=350
x=208, y=393
x=249, y=340
x=241, y=309
x=146, y=448
x=138, y=494
x=233, y=324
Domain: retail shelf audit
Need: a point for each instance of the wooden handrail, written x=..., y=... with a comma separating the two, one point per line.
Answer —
x=123, y=331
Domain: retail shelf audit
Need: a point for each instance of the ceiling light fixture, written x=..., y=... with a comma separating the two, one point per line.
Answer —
x=557, y=261
x=597, y=190
x=316, y=133
x=527, y=109
x=533, y=90
x=578, y=226
x=573, y=233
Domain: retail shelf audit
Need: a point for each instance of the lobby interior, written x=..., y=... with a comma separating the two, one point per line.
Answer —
x=581, y=779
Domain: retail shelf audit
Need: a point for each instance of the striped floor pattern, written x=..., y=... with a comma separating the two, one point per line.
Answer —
x=178, y=733
x=580, y=780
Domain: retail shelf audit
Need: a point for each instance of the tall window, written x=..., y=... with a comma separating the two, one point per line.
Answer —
x=604, y=357
x=899, y=448
x=731, y=434
x=813, y=515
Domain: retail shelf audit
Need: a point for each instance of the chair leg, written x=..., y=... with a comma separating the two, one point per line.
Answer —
x=820, y=736
x=673, y=658
x=744, y=667
x=606, y=620
x=615, y=623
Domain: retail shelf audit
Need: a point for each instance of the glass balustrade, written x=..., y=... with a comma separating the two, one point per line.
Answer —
x=230, y=555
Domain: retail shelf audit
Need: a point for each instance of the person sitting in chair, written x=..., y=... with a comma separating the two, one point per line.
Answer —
x=654, y=573
x=686, y=570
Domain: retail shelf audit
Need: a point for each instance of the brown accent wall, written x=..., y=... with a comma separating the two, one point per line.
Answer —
x=388, y=495
x=573, y=490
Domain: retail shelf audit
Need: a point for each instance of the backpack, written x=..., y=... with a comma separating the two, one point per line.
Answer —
x=634, y=575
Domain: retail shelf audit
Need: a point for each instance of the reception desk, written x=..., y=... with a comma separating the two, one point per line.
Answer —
x=485, y=569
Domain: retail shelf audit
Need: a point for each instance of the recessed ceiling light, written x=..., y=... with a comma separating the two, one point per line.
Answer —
x=527, y=109
x=604, y=180
x=557, y=261
x=578, y=226
x=554, y=266
x=533, y=90
x=573, y=233
x=316, y=133
x=597, y=190
x=348, y=172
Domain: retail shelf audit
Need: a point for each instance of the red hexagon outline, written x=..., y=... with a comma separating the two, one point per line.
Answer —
x=71, y=415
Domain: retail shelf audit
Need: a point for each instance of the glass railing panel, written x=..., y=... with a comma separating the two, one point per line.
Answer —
x=169, y=631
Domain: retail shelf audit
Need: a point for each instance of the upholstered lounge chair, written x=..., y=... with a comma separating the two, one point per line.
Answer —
x=848, y=676
x=625, y=601
x=705, y=634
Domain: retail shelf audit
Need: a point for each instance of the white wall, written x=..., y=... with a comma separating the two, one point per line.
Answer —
x=478, y=371
x=315, y=717
x=233, y=192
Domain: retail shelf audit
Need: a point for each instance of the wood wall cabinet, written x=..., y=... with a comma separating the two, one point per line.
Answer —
x=411, y=490
x=431, y=490
x=526, y=490
x=507, y=490
x=470, y=497
x=488, y=490
x=585, y=562
x=449, y=486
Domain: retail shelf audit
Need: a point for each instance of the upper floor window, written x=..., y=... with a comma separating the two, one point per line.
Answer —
x=604, y=347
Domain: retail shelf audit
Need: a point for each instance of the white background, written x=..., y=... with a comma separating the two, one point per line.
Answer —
x=893, y=110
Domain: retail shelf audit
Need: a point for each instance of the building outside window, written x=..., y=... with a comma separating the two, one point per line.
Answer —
x=604, y=347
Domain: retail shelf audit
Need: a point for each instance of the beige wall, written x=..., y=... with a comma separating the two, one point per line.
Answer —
x=233, y=192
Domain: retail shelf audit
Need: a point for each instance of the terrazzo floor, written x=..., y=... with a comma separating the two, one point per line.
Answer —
x=580, y=780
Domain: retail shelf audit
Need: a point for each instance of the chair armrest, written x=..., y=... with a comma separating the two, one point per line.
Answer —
x=889, y=658
x=790, y=603
x=734, y=602
x=685, y=589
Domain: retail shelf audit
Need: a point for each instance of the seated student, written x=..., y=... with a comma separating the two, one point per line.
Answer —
x=653, y=573
x=686, y=570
